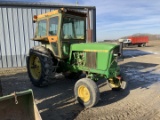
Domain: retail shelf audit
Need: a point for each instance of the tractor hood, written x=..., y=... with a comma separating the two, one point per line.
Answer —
x=97, y=56
x=93, y=47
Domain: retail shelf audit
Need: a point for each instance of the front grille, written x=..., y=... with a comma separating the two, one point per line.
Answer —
x=91, y=59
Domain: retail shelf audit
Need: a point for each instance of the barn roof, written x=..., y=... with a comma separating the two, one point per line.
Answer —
x=43, y=5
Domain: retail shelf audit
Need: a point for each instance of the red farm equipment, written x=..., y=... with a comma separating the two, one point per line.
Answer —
x=141, y=41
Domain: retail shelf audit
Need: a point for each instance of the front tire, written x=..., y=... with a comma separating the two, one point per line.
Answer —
x=86, y=92
x=39, y=66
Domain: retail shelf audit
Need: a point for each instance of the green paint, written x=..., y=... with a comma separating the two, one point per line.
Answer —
x=105, y=64
x=101, y=60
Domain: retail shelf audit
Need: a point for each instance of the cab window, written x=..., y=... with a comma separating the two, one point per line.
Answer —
x=42, y=28
x=53, y=26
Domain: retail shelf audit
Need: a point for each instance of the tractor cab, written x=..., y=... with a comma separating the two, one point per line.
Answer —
x=58, y=29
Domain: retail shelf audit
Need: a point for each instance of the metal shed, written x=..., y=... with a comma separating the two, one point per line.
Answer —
x=17, y=28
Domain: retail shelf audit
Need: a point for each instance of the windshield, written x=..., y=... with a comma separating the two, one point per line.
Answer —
x=73, y=28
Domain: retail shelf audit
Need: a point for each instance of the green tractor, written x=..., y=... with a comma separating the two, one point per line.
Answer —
x=63, y=49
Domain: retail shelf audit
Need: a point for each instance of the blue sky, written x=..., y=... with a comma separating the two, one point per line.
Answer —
x=117, y=18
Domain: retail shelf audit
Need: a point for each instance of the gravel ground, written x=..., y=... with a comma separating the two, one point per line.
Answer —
x=140, y=101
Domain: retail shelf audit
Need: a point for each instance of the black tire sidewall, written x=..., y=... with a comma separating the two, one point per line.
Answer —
x=34, y=81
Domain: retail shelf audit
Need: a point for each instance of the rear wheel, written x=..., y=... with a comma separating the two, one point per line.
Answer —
x=144, y=44
x=86, y=92
x=40, y=66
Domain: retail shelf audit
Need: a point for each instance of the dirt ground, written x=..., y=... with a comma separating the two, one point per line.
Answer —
x=140, y=101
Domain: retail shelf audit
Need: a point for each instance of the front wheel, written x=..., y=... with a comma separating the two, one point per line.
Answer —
x=86, y=92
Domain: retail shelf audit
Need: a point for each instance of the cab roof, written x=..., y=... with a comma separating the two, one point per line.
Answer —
x=61, y=10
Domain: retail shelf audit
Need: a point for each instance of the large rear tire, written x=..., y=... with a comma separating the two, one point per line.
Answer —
x=86, y=92
x=40, y=66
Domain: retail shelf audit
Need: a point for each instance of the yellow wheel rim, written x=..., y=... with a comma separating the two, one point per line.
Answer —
x=35, y=67
x=83, y=93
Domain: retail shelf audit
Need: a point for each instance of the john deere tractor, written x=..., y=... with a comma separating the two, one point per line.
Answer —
x=63, y=49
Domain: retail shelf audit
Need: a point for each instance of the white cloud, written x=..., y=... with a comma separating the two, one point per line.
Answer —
x=125, y=17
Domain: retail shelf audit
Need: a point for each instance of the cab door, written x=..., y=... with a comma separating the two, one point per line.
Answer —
x=53, y=34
